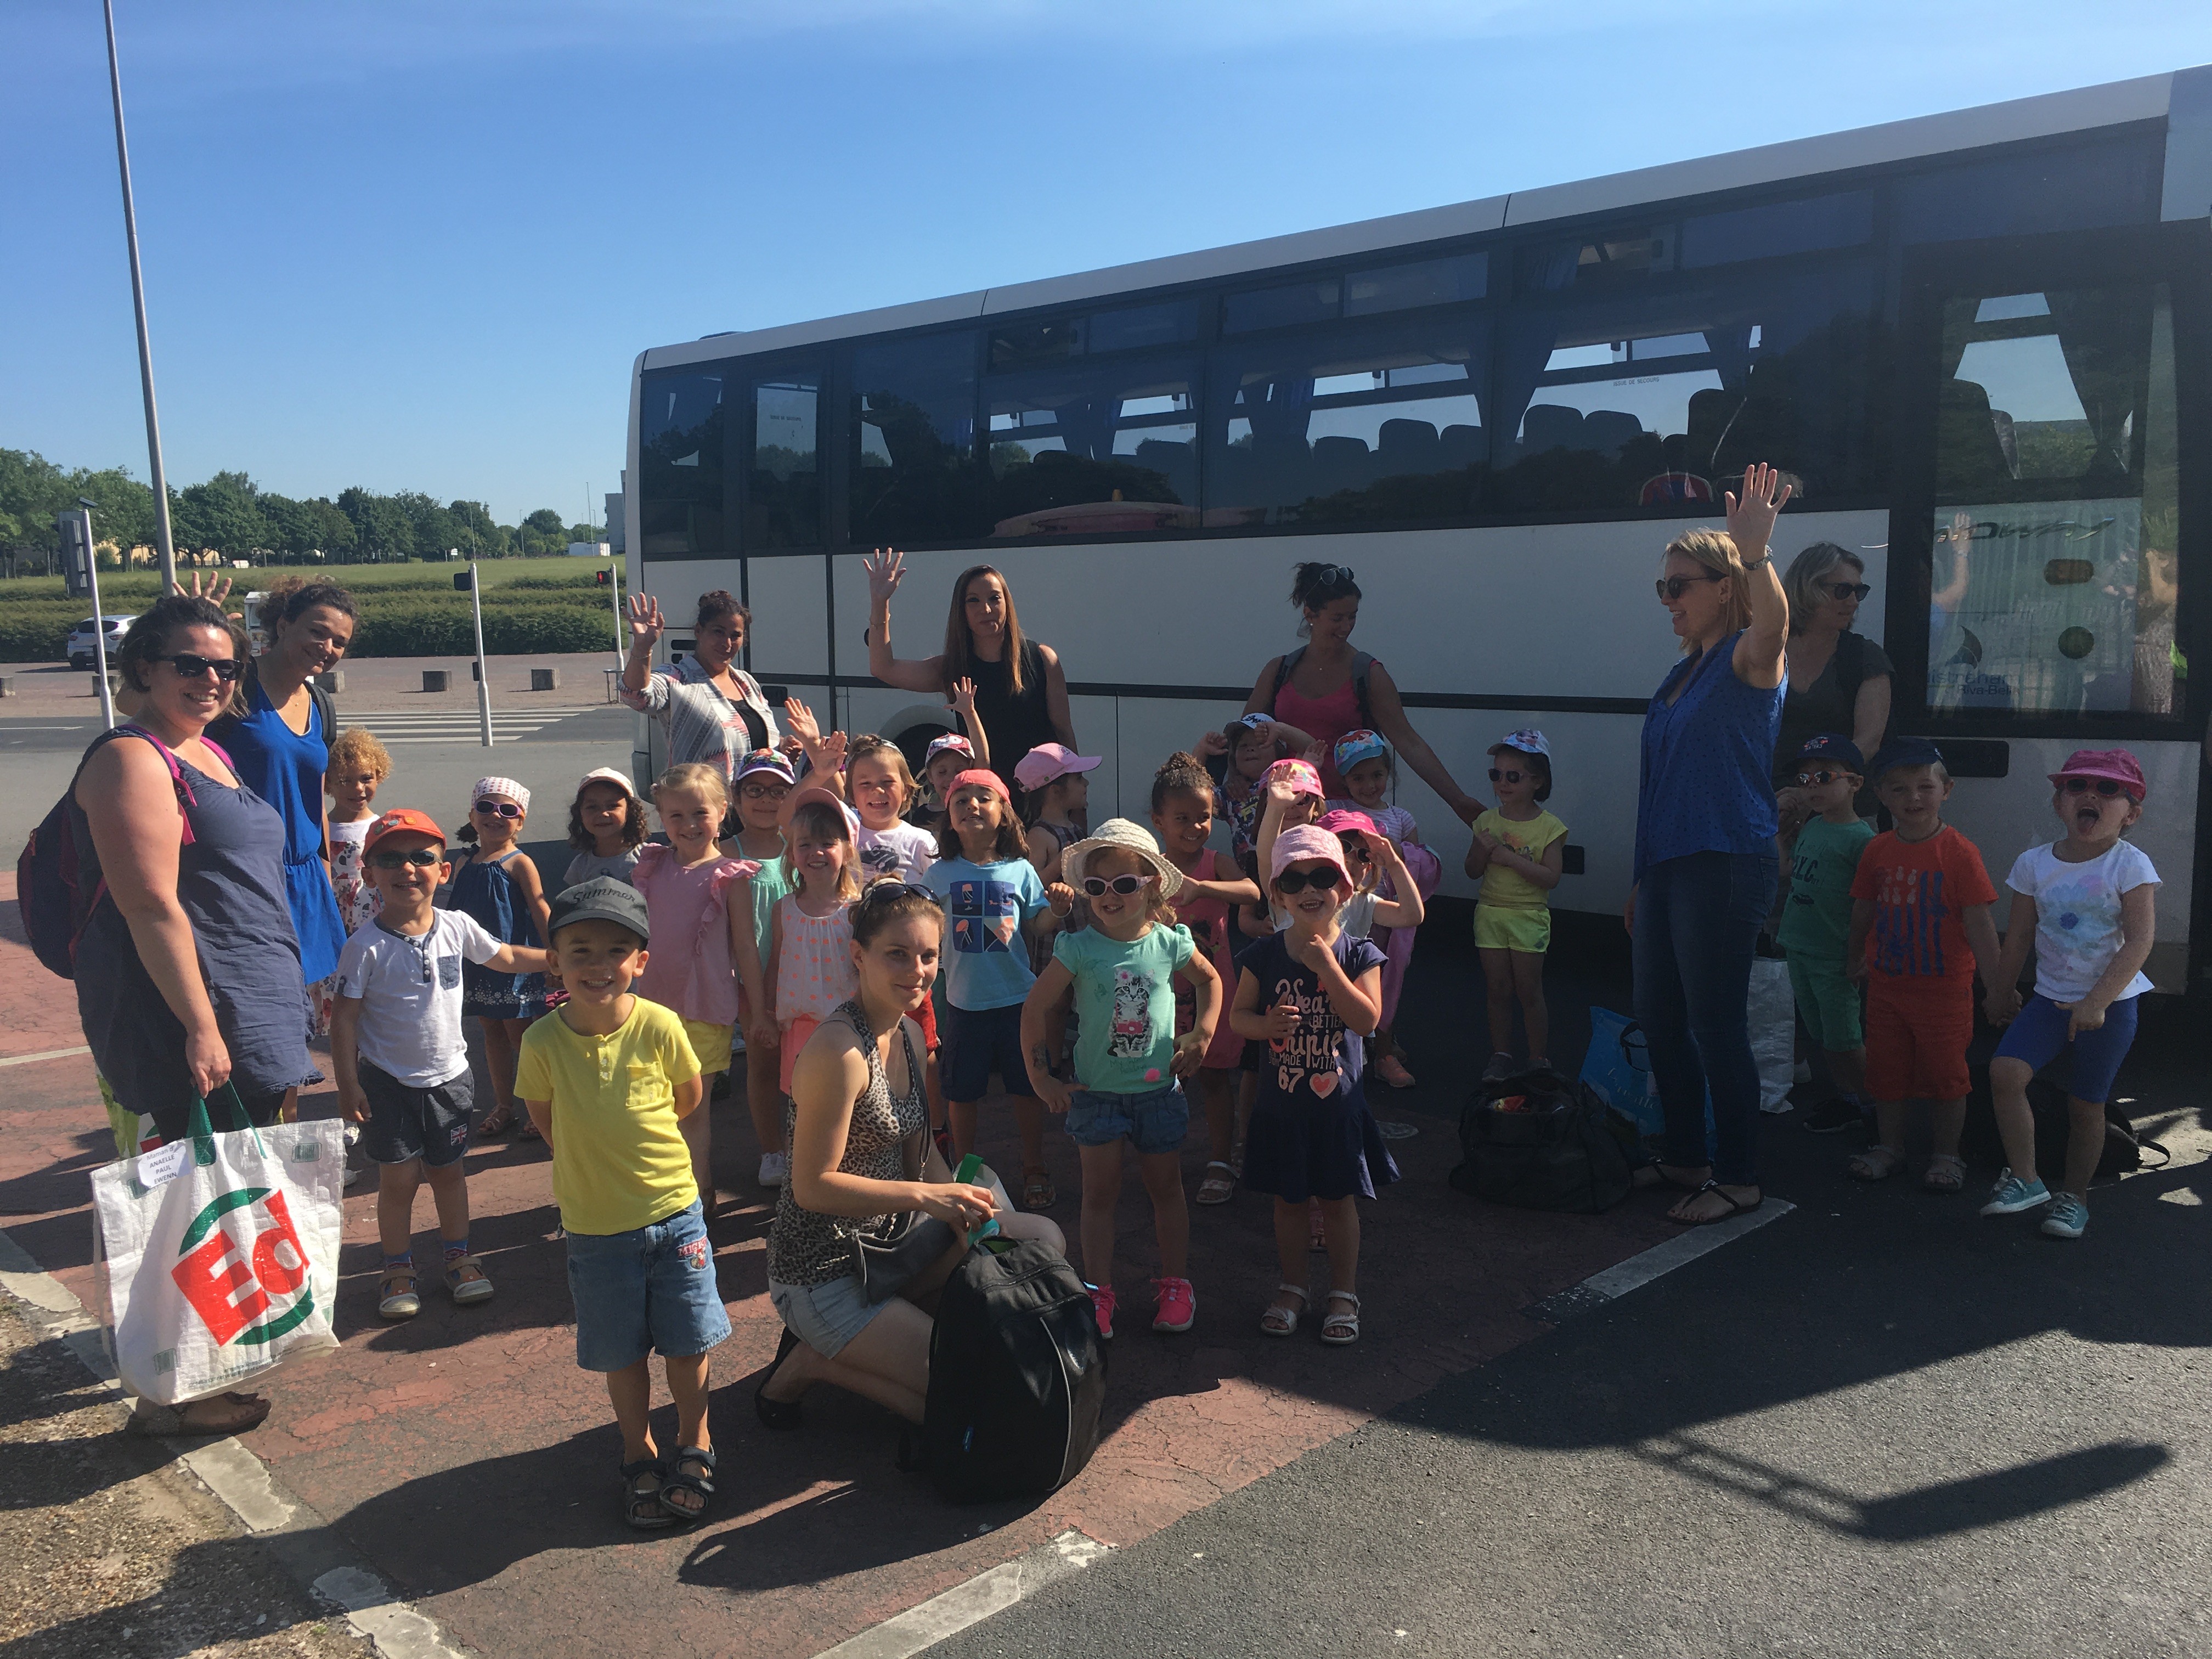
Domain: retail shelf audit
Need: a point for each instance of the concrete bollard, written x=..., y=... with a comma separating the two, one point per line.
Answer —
x=437, y=679
x=333, y=681
x=7, y=685
x=545, y=679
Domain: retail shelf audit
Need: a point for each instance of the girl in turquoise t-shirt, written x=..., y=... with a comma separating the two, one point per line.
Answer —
x=1123, y=968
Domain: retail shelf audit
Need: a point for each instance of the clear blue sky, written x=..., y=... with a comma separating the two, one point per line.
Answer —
x=416, y=245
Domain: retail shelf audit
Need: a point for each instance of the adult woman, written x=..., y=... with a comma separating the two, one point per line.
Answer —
x=1704, y=846
x=1839, y=681
x=280, y=735
x=1315, y=688
x=712, y=710
x=864, y=1166
x=1021, y=694
x=187, y=971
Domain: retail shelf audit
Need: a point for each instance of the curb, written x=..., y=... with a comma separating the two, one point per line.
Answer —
x=301, y=1540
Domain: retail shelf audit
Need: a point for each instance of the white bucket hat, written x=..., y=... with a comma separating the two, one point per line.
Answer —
x=1128, y=836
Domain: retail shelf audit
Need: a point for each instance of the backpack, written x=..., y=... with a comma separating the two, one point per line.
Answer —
x=1017, y=1376
x=2122, y=1152
x=1542, y=1141
x=1361, y=662
x=50, y=881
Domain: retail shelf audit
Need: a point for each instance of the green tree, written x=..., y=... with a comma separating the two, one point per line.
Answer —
x=223, y=516
x=380, y=525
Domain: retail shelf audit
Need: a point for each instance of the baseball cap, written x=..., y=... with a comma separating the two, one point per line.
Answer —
x=613, y=774
x=952, y=740
x=1049, y=761
x=1304, y=780
x=602, y=898
x=1359, y=745
x=2117, y=765
x=1838, y=750
x=1903, y=751
x=400, y=818
x=1250, y=722
x=822, y=792
x=1305, y=844
x=1342, y=820
x=1527, y=740
x=980, y=777
x=768, y=760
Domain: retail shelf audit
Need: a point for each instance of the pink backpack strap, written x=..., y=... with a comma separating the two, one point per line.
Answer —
x=177, y=779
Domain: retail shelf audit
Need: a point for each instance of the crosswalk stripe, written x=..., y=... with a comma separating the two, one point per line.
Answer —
x=461, y=725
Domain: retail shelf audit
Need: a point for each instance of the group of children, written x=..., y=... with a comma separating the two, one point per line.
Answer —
x=1905, y=916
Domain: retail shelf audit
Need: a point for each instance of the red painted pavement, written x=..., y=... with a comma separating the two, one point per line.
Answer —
x=470, y=1461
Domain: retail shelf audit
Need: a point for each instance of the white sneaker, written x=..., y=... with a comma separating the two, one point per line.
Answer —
x=352, y=1175
x=1801, y=1072
x=774, y=1169
x=737, y=1043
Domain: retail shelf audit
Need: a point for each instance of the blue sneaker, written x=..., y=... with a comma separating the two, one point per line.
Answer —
x=2068, y=1217
x=2011, y=1196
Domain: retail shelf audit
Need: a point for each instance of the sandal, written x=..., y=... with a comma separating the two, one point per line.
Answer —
x=1735, y=1208
x=1037, y=1191
x=1339, y=1329
x=466, y=1281
x=525, y=1127
x=399, y=1294
x=1284, y=1322
x=1392, y=1070
x=1945, y=1174
x=1878, y=1162
x=779, y=1413
x=700, y=1486
x=497, y=1121
x=245, y=1411
x=1218, y=1188
x=641, y=1501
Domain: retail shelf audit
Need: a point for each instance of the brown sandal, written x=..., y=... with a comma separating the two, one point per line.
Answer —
x=1037, y=1191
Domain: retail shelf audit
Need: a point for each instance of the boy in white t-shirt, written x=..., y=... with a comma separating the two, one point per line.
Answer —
x=2085, y=903
x=401, y=1059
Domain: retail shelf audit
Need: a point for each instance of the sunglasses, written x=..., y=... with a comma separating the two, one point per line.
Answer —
x=1846, y=589
x=1334, y=575
x=884, y=889
x=1496, y=776
x=1323, y=880
x=498, y=809
x=191, y=667
x=1099, y=886
x=764, y=791
x=1816, y=779
x=424, y=857
x=1673, y=587
x=2107, y=787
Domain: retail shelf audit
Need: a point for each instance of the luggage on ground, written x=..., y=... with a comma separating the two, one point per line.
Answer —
x=1540, y=1141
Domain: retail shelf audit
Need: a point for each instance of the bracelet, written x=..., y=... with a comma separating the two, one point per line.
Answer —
x=1750, y=565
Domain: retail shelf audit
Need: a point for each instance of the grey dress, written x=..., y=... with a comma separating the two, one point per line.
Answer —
x=230, y=880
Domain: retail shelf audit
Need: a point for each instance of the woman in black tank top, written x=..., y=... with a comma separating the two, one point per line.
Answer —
x=1021, y=694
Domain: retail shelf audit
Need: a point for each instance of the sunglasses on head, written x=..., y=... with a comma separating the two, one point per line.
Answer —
x=1099, y=886
x=191, y=667
x=1673, y=587
x=1507, y=776
x=1846, y=589
x=2107, y=786
x=498, y=809
x=425, y=857
x=1333, y=575
x=1322, y=880
x=1816, y=779
x=884, y=889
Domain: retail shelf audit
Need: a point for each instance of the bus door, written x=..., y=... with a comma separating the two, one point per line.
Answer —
x=2048, y=546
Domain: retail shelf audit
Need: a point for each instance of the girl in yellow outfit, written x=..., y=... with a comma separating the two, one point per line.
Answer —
x=1517, y=851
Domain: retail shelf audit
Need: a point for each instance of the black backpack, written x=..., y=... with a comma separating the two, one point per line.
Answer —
x=2123, y=1149
x=1017, y=1376
x=1542, y=1141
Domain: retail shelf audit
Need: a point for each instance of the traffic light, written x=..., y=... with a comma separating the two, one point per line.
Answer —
x=462, y=579
x=604, y=577
x=76, y=557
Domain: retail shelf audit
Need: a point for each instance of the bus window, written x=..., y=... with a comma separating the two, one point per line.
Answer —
x=915, y=477
x=680, y=464
x=1651, y=399
x=783, y=488
x=1092, y=446
x=2055, y=584
x=1358, y=426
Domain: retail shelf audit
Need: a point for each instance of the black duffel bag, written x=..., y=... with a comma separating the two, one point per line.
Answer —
x=1540, y=1141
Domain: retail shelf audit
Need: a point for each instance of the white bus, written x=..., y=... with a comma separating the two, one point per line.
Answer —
x=1977, y=340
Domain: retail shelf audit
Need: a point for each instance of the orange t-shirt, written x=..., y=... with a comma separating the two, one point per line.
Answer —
x=1920, y=891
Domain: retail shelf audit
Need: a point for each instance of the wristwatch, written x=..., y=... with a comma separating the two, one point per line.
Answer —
x=1753, y=564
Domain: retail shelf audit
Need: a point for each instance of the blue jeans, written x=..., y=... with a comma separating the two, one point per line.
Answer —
x=1697, y=919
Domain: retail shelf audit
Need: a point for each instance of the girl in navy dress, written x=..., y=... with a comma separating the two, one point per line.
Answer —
x=1311, y=992
x=496, y=882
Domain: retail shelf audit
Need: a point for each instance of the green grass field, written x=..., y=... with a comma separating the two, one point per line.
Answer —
x=390, y=577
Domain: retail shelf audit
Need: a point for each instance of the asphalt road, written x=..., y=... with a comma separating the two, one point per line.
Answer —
x=1878, y=1425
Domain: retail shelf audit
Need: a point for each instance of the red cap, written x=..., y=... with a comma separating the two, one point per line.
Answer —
x=399, y=818
x=1340, y=819
x=978, y=777
x=2117, y=764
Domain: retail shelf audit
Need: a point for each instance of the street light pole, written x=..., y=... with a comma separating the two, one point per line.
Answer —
x=161, y=540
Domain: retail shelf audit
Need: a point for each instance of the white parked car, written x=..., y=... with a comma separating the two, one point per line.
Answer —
x=82, y=646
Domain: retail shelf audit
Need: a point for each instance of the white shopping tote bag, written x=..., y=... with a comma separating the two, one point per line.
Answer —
x=218, y=1256
x=1772, y=1016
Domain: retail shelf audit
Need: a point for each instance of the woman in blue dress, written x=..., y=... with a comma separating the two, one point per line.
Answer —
x=1705, y=864
x=280, y=735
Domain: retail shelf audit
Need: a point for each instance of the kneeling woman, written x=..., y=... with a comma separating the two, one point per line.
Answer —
x=871, y=1219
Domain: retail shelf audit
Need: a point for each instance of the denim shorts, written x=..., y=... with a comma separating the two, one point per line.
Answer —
x=2037, y=1035
x=405, y=1124
x=825, y=1316
x=977, y=1041
x=1154, y=1121
x=653, y=1288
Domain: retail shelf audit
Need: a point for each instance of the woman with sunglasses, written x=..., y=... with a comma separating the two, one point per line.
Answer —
x=1839, y=680
x=279, y=731
x=1325, y=688
x=187, y=970
x=1704, y=871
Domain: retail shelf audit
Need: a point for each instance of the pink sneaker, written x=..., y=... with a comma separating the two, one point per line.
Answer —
x=1102, y=1304
x=1178, y=1305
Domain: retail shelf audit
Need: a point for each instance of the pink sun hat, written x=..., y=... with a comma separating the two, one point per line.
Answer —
x=1306, y=843
x=1049, y=761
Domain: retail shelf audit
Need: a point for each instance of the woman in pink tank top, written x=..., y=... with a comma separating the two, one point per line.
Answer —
x=1320, y=695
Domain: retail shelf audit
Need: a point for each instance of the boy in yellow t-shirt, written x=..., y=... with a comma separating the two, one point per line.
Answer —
x=606, y=1078
x=1517, y=851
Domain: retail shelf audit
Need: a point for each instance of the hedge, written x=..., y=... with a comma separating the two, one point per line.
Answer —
x=402, y=624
